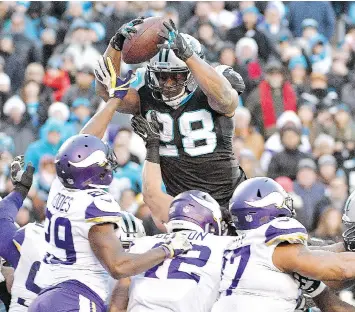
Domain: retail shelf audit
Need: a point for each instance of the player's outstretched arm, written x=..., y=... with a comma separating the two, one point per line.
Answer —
x=120, y=296
x=9, y=207
x=108, y=249
x=316, y=264
x=221, y=96
x=158, y=201
x=328, y=301
x=130, y=104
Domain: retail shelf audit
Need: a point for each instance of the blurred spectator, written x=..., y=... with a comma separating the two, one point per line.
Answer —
x=128, y=201
x=339, y=77
x=14, y=66
x=210, y=40
x=202, y=11
x=35, y=72
x=298, y=70
x=49, y=40
x=17, y=124
x=246, y=51
x=249, y=163
x=306, y=115
x=327, y=166
x=129, y=174
x=5, y=89
x=348, y=93
x=56, y=78
x=273, y=96
x=83, y=88
x=323, y=145
x=30, y=93
x=345, y=126
x=335, y=196
x=273, y=26
x=221, y=18
x=6, y=156
x=249, y=29
x=320, y=11
x=42, y=182
x=285, y=162
x=319, y=95
x=310, y=190
x=81, y=113
x=273, y=145
x=48, y=144
x=320, y=54
x=322, y=125
x=329, y=226
x=252, y=139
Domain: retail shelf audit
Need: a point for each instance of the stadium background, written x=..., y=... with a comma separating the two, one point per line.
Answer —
x=295, y=124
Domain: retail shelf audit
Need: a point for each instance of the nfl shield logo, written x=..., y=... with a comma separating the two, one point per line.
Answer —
x=70, y=181
x=249, y=218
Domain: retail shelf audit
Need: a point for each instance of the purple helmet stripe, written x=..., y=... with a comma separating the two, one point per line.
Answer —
x=273, y=232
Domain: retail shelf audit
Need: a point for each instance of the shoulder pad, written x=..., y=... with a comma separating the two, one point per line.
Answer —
x=139, y=80
x=285, y=230
x=103, y=209
x=19, y=237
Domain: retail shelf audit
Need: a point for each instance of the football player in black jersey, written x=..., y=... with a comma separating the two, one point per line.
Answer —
x=195, y=104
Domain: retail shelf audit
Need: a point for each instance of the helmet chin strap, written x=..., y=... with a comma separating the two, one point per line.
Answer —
x=176, y=100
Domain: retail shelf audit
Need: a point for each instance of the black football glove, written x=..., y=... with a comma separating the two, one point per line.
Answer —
x=234, y=79
x=176, y=42
x=21, y=179
x=149, y=132
x=125, y=31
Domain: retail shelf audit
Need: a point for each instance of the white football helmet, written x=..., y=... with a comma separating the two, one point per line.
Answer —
x=166, y=63
x=130, y=229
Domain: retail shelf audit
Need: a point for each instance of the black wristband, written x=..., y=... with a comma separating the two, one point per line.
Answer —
x=153, y=153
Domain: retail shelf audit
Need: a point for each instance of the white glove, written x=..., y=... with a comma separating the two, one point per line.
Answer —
x=179, y=244
x=102, y=73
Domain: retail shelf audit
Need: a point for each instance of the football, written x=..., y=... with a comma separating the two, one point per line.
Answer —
x=143, y=44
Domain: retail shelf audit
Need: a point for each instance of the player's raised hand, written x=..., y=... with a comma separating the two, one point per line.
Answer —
x=105, y=73
x=175, y=42
x=125, y=31
x=22, y=179
x=179, y=244
x=147, y=130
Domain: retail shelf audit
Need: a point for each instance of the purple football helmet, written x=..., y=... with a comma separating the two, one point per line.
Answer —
x=257, y=201
x=195, y=210
x=84, y=161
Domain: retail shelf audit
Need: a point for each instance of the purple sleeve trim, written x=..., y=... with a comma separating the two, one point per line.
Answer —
x=273, y=232
x=10, y=206
x=93, y=212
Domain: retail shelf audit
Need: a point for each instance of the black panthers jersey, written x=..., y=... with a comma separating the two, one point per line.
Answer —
x=196, y=146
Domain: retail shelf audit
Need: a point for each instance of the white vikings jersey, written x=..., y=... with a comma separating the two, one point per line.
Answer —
x=69, y=216
x=250, y=280
x=188, y=282
x=29, y=240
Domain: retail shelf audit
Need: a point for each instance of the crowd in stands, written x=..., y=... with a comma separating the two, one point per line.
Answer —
x=295, y=122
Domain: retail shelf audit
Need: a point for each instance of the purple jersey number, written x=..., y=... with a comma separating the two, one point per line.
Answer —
x=244, y=254
x=64, y=225
x=173, y=270
x=30, y=282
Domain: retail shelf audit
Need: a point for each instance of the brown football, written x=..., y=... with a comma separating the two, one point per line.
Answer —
x=143, y=44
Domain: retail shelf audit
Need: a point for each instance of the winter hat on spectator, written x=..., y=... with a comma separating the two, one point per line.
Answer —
x=81, y=101
x=79, y=23
x=59, y=107
x=309, y=22
x=246, y=42
x=4, y=79
x=340, y=107
x=14, y=102
x=286, y=117
x=297, y=61
x=251, y=9
x=99, y=29
x=53, y=125
x=6, y=143
x=327, y=160
x=307, y=163
x=273, y=66
x=86, y=69
x=247, y=153
x=286, y=183
x=290, y=126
